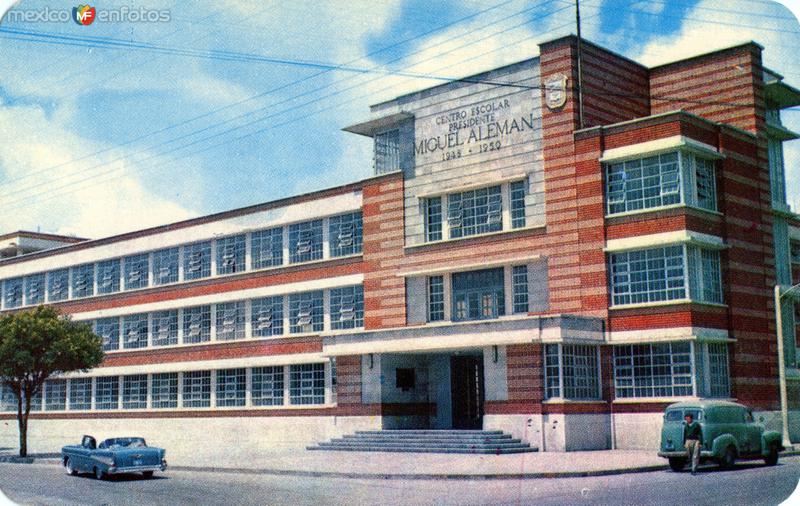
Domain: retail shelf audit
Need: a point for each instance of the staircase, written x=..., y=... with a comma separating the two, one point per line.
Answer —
x=427, y=441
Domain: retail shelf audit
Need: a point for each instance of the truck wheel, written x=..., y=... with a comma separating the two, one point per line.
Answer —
x=772, y=457
x=99, y=474
x=147, y=474
x=729, y=459
x=68, y=467
x=677, y=464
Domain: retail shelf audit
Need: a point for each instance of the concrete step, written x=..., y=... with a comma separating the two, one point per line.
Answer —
x=427, y=441
x=405, y=449
x=430, y=437
x=423, y=444
x=431, y=431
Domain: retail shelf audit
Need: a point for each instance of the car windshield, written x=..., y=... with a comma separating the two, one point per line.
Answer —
x=124, y=442
x=676, y=415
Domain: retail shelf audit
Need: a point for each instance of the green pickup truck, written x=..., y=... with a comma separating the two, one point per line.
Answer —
x=729, y=433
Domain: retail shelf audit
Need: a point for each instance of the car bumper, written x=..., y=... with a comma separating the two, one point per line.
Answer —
x=684, y=453
x=137, y=469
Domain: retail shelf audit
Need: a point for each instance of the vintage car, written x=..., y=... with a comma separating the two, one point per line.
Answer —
x=113, y=456
x=729, y=432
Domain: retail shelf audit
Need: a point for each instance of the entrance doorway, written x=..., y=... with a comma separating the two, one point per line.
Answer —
x=466, y=391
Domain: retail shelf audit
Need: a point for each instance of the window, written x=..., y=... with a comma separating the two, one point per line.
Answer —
x=165, y=328
x=711, y=370
x=643, y=183
x=8, y=401
x=230, y=254
x=134, y=331
x=705, y=183
x=267, y=386
x=55, y=395
x=108, y=275
x=230, y=321
x=433, y=219
x=57, y=285
x=777, y=177
x=794, y=251
x=134, y=391
x=387, y=151
x=519, y=280
x=705, y=271
x=305, y=312
x=106, y=392
x=435, y=298
x=266, y=248
x=36, y=401
x=137, y=271
x=34, y=289
x=197, y=324
x=231, y=387
x=478, y=295
x=307, y=384
x=197, y=260
x=80, y=394
x=517, y=197
x=648, y=275
x=267, y=316
x=475, y=212
x=108, y=330
x=572, y=372
x=197, y=389
x=347, y=307
x=83, y=281
x=165, y=266
x=12, y=293
x=653, y=370
x=345, y=234
x=164, y=390
x=305, y=241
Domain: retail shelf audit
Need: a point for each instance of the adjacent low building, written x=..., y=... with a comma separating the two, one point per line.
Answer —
x=555, y=264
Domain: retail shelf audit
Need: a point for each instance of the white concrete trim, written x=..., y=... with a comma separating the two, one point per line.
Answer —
x=637, y=400
x=662, y=208
x=450, y=267
x=649, y=148
x=446, y=233
x=665, y=239
x=669, y=334
x=478, y=184
x=660, y=303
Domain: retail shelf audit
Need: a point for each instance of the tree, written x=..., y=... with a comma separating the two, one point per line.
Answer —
x=37, y=344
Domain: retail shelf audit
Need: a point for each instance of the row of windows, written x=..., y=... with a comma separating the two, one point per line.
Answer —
x=474, y=212
x=302, y=384
x=263, y=317
x=299, y=242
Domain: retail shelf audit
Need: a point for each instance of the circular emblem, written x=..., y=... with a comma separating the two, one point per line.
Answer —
x=555, y=91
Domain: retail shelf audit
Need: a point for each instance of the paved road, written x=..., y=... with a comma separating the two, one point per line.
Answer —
x=750, y=484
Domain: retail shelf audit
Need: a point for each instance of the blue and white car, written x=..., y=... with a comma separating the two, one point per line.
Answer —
x=113, y=456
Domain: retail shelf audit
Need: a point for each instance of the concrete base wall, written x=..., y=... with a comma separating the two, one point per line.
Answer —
x=637, y=431
x=587, y=432
x=527, y=428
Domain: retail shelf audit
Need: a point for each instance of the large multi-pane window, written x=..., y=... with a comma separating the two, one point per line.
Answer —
x=711, y=369
x=165, y=328
x=106, y=395
x=705, y=183
x=108, y=276
x=653, y=370
x=134, y=391
x=572, y=371
x=478, y=295
x=134, y=331
x=267, y=316
x=231, y=254
x=108, y=330
x=230, y=321
x=137, y=271
x=231, y=384
x=164, y=390
x=55, y=395
x=306, y=312
x=165, y=266
x=435, y=298
x=305, y=241
x=8, y=401
x=57, y=285
x=80, y=394
x=307, y=384
x=197, y=324
x=433, y=219
x=387, y=151
x=704, y=268
x=516, y=192
x=197, y=389
x=345, y=234
x=475, y=212
x=197, y=260
x=36, y=401
x=12, y=293
x=267, y=386
x=519, y=281
x=83, y=281
x=347, y=307
x=266, y=248
x=34, y=289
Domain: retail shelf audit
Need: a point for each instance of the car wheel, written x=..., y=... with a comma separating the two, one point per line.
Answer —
x=729, y=459
x=677, y=464
x=147, y=474
x=772, y=457
x=68, y=467
x=99, y=474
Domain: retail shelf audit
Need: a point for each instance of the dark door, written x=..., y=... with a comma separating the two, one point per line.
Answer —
x=466, y=389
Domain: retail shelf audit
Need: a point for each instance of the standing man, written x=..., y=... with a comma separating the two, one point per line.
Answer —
x=692, y=435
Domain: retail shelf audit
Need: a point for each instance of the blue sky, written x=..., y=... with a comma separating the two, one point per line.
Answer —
x=99, y=140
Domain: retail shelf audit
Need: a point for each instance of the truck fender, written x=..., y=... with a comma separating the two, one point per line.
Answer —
x=722, y=442
x=768, y=438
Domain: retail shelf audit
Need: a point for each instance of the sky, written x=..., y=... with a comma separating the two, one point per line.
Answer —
x=123, y=124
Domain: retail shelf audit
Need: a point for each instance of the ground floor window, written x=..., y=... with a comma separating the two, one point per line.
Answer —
x=572, y=371
x=712, y=373
x=307, y=384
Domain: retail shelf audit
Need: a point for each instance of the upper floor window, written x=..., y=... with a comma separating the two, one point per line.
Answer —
x=345, y=234
x=197, y=260
x=517, y=198
x=137, y=271
x=108, y=275
x=197, y=324
x=519, y=279
x=108, y=330
x=165, y=266
x=433, y=219
x=12, y=293
x=794, y=251
x=83, y=281
x=387, y=152
x=306, y=312
x=475, y=212
x=347, y=307
x=231, y=254
x=266, y=248
x=305, y=241
x=58, y=285
x=34, y=289
x=478, y=295
x=230, y=321
x=435, y=298
x=267, y=316
x=134, y=328
x=165, y=328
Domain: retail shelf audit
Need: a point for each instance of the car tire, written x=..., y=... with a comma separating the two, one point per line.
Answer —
x=68, y=467
x=772, y=457
x=728, y=460
x=677, y=464
x=147, y=474
x=99, y=474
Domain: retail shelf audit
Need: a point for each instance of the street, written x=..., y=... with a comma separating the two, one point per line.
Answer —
x=748, y=483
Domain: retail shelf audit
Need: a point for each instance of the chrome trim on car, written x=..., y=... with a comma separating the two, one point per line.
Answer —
x=137, y=469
